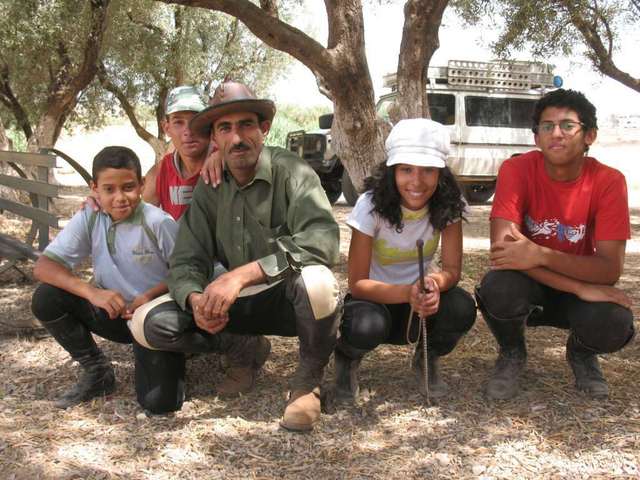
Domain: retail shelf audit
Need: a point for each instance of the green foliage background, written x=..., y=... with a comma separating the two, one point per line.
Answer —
x=293, y=117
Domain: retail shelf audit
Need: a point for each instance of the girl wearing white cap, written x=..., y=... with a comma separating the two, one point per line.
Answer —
x=412, y=196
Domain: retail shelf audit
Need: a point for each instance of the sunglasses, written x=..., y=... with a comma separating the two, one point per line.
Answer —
x=568, y=127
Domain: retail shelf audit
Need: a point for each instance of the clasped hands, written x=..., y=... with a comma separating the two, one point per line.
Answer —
x=211, y=307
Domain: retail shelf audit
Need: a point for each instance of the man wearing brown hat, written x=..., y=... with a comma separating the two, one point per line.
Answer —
x=270, y=224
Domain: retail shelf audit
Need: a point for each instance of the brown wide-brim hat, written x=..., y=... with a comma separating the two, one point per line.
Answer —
x=231, y=97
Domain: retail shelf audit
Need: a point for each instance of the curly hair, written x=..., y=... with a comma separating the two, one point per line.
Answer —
x=445, y=205
x=571, y=99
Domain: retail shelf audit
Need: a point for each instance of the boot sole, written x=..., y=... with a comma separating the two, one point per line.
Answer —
x=63, y=405
x=298, y=427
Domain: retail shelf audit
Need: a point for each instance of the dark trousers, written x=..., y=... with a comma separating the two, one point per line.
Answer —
x=509, y=297
x=50, y=303
x=365, y=325
x=283, y=309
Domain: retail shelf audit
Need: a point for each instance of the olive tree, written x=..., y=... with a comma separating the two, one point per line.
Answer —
x=48, y=56
x=341, y=69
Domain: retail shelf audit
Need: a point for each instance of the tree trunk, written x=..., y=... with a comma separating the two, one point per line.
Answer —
x=5, y=141
x=422, y=19
x=68, y=82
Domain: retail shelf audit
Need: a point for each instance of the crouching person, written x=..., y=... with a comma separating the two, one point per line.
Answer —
x=559, y=224
x=129, y=243
x=412, y=196
x=270, y=224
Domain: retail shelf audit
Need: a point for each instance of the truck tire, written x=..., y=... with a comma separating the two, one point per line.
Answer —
x=478, y=193
x=348, y=190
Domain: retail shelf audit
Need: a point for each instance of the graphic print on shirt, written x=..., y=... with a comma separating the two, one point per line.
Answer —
x=180, y=194
x=391, y=255
x=548, y=228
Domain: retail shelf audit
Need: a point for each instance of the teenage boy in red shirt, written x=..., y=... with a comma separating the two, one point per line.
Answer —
x=559, y=225
x=169, y=184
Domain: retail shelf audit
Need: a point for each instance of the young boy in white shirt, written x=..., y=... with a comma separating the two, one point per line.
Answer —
x=129, y=243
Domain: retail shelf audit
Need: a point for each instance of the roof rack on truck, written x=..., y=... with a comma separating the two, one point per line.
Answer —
x=505, y=75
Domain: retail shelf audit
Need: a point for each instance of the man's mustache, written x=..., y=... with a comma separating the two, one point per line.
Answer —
x=240, y=147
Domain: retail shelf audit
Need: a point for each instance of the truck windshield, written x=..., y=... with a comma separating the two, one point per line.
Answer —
x=498, y=112
x=442, y=107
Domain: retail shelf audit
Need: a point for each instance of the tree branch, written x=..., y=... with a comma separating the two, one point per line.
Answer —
x=8, y=98
x=124, y=103
x=270, y=6
x=271, y=30
x=599, y=54
x=148, y=26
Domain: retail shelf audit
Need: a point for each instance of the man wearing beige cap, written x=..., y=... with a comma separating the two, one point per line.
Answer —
x=270, y=224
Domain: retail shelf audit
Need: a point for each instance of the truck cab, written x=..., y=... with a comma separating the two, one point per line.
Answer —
x=487, y=107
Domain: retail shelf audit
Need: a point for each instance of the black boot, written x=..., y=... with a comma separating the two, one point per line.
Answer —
x=97, y=377
x=586, y=369
x=437, y=387
x=347, y=361
x=504, y=381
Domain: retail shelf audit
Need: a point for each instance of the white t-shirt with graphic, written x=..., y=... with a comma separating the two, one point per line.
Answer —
x=394, y=257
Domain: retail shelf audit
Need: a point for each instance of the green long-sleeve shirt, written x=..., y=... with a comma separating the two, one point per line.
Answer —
x=282, y=219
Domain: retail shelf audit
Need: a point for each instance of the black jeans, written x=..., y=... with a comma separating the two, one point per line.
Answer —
x=50, y=303
x=365, y=325
x=283, y=309
x=507, y=296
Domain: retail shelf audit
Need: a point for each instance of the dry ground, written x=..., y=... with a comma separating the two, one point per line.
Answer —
x=549, y=431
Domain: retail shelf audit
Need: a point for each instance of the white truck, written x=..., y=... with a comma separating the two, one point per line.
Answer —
x=487, y=107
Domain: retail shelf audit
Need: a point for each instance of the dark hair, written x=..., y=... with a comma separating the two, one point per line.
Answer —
x=445, y=205
x=116, y=157
x=571, y=99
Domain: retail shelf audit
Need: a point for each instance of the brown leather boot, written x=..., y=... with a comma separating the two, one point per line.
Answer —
x=302, y=411
x=245, y=361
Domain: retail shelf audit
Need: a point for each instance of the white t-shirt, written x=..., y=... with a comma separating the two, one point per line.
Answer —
x=394, y=257
x=124, y=257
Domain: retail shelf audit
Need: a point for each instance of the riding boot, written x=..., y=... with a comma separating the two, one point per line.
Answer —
x=586, y=369
x=97, y=377
x=437, y=387
x=245, y=354
x=509, y=333
x=347, y=361
x=302, y=412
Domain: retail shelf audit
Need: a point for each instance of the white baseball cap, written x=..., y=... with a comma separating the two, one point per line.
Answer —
x=418, y=141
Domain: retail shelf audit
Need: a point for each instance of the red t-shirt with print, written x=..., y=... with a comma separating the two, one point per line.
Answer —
x=565, y=216
x=173, y=191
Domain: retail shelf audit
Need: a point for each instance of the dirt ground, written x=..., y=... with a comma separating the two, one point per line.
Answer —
x=549, y=431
